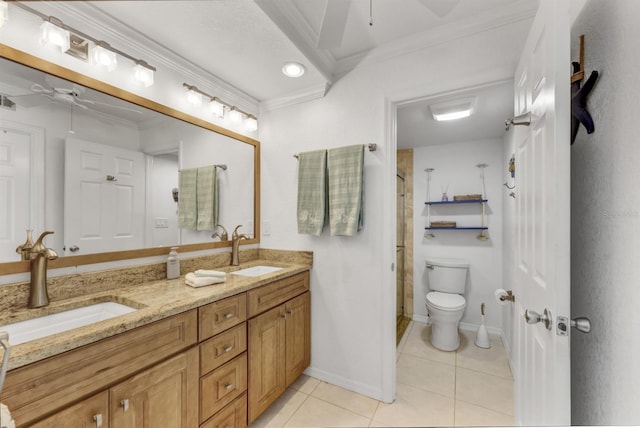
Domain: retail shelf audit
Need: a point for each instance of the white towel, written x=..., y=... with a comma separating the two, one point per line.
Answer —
x=201, y=281
x=210, y=273
x=6, y=420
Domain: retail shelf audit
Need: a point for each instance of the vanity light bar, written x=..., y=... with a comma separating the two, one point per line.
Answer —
x=218, y=107
x=143, y=72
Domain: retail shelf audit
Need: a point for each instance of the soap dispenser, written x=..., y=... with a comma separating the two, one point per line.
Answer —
x=173, y=264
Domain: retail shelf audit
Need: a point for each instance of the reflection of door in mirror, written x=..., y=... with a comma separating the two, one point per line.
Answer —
x=21, y=190
x=162, y=208
x=104, y=198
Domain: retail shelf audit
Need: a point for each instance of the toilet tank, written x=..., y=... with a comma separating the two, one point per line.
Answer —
x=447, y=275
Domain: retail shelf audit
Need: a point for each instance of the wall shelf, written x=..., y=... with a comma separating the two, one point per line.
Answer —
x=456, y=228
x=470, y=201
x=481, y=228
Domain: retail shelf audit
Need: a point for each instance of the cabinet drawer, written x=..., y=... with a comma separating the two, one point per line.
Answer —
x=46, y=386
x=232, y=416
x=219, y=316
x=222, y=386
x=222, y=348
x=271, y=295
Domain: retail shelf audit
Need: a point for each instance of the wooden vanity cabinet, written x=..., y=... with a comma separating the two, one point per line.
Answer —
x=90, y=413
x=279, y=340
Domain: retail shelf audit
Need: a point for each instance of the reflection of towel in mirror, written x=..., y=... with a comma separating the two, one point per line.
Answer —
x=201, y=281
x=210, y=273
x=207, y=198
x=345, y=169
x=187, y=214
x=312, y=192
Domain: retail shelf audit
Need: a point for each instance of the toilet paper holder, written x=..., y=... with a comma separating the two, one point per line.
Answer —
x=509, y=297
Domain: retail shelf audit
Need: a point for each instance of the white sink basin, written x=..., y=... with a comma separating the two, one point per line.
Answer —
x=257, y=270
x=36, y=328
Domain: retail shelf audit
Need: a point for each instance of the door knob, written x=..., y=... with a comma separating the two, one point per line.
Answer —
x=582, y=324
x=532, y=317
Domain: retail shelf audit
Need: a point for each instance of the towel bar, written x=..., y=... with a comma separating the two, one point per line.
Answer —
x=372, y=148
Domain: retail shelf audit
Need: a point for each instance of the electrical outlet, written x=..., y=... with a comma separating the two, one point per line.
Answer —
x=266, y=228
x=161, y=223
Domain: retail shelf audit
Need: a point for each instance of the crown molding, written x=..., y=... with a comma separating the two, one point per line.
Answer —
x=308, y=94
x=292, y=23
x=88, y=16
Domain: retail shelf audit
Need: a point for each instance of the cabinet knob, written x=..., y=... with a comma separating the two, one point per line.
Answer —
x=227, y=316
x=283, y=315
x=228, y=386
x=98, y=420
x=125, y=404
x=228, y=348
x=290, y=312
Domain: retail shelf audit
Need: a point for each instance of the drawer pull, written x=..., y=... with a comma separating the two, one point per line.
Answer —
x=98, y=420
x=125, y=404
x=228, y=386
x=283, y=315
x=228, y=348
x=290, y=312
x=227, y=316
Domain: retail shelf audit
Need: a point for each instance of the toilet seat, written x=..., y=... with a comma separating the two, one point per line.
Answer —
x=446, y=301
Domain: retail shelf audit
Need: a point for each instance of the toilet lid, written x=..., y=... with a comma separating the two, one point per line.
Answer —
x=446, y=301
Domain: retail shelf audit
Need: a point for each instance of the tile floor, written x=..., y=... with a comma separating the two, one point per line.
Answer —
x=469, y=387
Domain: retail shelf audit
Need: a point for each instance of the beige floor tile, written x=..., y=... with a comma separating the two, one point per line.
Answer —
x=471, y=415
x=377, y=424
x=415, y=407
x=318, y=413
x=419, y=345
x=425, y=374
x=305, y=384
x=346, y=399
x=281, y=410
x=484, y=390
x=491, y=361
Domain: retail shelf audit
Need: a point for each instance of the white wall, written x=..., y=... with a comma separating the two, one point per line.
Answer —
x=605, y=229
x=349, y=294
x=455, y=169
x=164, y=178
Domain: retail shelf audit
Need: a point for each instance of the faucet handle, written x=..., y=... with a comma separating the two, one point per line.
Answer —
x=39, y=246
x=235, y=231
x=224, y=236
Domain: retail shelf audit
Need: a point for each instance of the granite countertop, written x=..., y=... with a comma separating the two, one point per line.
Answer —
x=155, y=300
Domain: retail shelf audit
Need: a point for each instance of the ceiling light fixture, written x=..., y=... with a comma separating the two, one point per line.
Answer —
x=54, y=31
x=452, y=110
x=219, y=107
x=293, y=69
x=4, y=13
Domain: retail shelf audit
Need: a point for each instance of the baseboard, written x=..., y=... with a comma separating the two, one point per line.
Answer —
x=421, y=318
x=332, y=378
x=474, y=327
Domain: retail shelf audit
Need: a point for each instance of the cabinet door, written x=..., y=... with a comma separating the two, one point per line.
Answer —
x=90, y=413
x=298, y=336
x=165, y=395
x=266, y=360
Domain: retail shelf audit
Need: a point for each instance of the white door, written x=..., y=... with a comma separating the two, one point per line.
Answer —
x=542, y=372
x=104, y=198
x=21, y=185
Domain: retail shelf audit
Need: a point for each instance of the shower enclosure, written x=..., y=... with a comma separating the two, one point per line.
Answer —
x=401, y=319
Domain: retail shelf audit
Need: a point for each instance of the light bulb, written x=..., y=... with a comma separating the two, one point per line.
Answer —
x=54, y=35
x=235, y=116
x=194, y=98
x=142, y=73
x=4, y=13
x=102, y=56
x=293, y=69
x=251, y=124
x=217, y=108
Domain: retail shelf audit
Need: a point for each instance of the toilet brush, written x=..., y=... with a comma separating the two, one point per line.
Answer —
x=482, y=337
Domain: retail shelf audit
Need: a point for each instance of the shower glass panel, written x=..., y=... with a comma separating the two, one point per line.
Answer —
x=401, y=320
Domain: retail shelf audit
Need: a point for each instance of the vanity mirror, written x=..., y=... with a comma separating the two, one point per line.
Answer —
x=56, y=123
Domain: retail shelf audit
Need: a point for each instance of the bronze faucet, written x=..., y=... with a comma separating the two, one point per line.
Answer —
x=235, y=243
x=39, y=255
x=224, y=236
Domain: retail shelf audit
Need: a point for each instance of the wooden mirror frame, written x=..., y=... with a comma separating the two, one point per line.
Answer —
x=29, y=60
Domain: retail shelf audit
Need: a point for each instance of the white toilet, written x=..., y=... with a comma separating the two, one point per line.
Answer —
x=445, y=301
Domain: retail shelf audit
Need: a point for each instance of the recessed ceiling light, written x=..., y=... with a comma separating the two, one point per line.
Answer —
x=293, y=69
x=452, y=110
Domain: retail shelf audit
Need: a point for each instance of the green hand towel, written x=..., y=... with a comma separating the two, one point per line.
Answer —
x=312, y=192
x=187, y=214
x=345, y=169
x=207, y=198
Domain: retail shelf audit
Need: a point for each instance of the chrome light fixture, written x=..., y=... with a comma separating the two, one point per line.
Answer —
x=217, y=108
x=4, y=13
x=52, y=33
x=143, y=73
x=251, y=123
x=102, y=55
